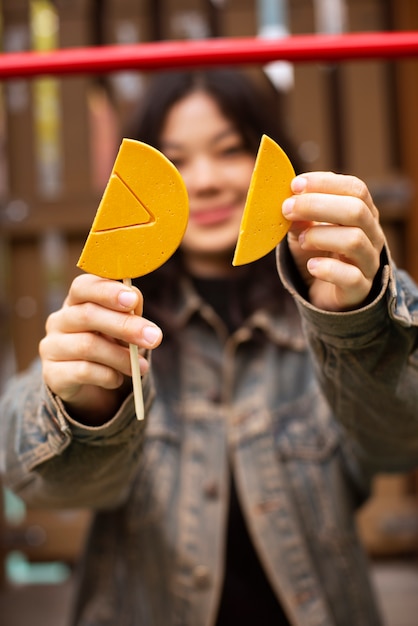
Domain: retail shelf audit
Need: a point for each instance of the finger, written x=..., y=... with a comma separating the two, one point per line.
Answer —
x=334, y=184
x=350, y=244
x=86, y=347
x=74, y=374
x=350, y=285
x=107, y=293
x=296, y=228
x=66, y=378
x=333, y=209
x=90, y=317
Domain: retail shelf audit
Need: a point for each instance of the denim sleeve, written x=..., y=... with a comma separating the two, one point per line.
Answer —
x=50, y=460
x=367, y=364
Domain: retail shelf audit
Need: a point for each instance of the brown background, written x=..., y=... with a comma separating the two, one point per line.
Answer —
x=359, y=117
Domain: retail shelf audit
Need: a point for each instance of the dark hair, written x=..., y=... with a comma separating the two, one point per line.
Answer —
x=254, y=106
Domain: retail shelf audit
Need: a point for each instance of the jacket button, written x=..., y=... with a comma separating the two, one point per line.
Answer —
x=201, y=577
x=211, y=490
x=214, y=395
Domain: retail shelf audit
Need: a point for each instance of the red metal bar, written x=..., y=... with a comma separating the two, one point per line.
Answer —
x=209, y=52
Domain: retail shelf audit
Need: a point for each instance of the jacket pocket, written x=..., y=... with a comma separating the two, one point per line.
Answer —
x=306, y=429
x=317, y=463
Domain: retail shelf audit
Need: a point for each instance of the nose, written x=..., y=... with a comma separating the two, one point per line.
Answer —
x=203, y=175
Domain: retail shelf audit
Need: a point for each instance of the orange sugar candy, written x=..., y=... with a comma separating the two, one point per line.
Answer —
x=139, y=224
x=141, y=218
x=263, y=225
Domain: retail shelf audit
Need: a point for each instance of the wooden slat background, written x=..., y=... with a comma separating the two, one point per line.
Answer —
x=359, y=117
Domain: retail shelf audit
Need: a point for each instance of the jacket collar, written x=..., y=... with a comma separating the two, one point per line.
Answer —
x=285, y=330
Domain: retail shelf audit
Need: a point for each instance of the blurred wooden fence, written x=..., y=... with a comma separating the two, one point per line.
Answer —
x=59, y=137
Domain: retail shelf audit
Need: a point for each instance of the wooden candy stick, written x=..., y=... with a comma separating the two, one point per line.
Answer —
x=262, y=225
x=139, y=224
x=136, y=374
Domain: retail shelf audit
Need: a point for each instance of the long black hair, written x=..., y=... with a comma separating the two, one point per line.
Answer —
x=255, y=108
x=253, y=105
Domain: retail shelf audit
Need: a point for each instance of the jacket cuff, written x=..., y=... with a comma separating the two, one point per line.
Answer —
x=121, y=427
x=346, y=328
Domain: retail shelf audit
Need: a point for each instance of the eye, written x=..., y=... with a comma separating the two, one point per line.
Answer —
x=177, y=161
x=232, y=150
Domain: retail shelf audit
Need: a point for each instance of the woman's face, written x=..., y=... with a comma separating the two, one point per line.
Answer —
x=216, y=167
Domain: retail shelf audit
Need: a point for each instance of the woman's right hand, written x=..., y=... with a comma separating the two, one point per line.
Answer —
x=85, y=353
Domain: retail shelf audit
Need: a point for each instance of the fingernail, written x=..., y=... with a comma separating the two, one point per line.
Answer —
x=127, y=299
x=299, y=184
x=287, y=207
x=151, y=334
x=312, y=264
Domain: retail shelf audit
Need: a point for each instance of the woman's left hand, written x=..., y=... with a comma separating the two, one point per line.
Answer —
x=335, y=238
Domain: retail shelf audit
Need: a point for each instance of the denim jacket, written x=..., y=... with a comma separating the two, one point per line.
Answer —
x=304, y=414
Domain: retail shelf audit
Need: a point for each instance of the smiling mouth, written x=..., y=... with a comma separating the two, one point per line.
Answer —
x=212, y=216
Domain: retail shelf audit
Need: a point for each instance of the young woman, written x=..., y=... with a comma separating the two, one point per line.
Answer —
x=280, y=388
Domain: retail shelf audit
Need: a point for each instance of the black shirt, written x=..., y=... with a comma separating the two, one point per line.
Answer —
x=247, y=597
